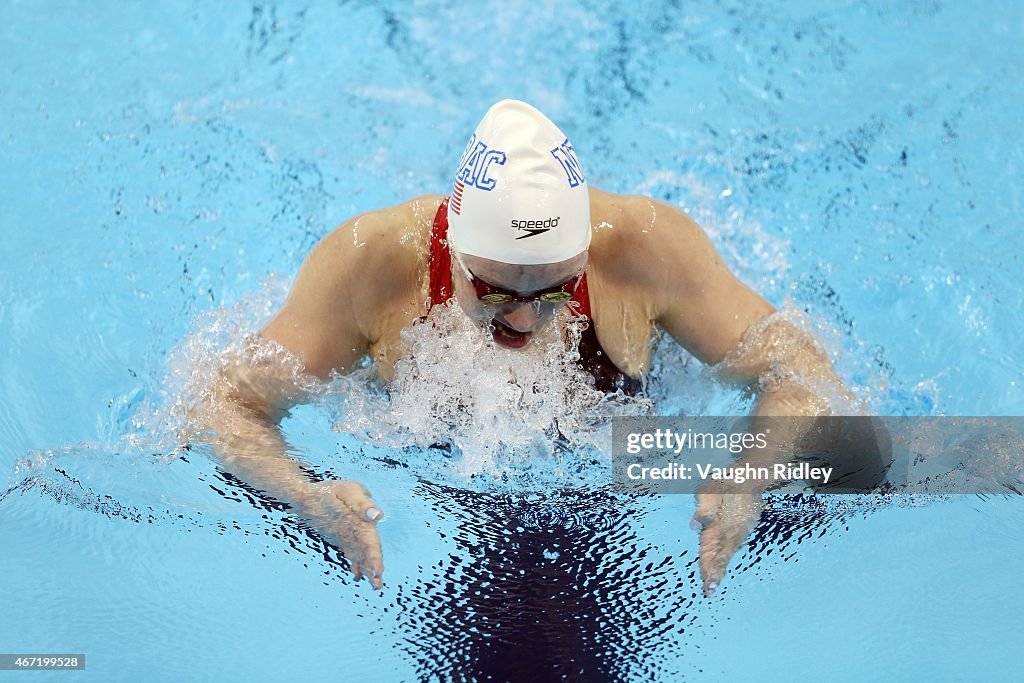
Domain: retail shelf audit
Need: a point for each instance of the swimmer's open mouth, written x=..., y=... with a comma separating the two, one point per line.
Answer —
x=506, y=336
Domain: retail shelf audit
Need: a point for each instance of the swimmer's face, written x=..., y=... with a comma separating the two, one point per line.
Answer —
x=514, y=323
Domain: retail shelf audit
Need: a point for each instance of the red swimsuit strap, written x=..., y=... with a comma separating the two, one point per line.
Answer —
x=581, y=298
x=440, y=259
x=441, y=267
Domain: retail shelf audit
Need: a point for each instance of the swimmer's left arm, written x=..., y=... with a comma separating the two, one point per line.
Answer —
x=785, y=363
x=723, y=322
x=696, y=299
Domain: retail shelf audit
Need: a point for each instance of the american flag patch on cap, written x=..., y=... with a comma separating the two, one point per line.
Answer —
x=455, y=203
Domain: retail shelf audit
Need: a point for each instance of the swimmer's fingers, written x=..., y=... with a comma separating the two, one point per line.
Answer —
x=736, y=517
x=361, y=540
x=362, y=548
x=371, y=556
x=717, y=547
x=371, y=564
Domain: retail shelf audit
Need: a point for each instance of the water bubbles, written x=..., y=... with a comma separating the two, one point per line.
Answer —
x=507, y=413
x=161, y=421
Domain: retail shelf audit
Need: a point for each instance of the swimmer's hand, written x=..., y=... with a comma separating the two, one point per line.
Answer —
x=345, y=514
x=725, y=516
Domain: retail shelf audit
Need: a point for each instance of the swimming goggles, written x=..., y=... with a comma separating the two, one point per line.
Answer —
x=490, y=294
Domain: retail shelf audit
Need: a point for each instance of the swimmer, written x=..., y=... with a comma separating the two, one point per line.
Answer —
x=521, y=236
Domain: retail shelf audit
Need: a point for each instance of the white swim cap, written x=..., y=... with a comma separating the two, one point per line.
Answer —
x=520, y=195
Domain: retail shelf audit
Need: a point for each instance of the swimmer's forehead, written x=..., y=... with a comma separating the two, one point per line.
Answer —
x=524, y=278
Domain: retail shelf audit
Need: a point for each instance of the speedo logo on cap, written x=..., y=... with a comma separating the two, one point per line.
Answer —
x=534, y=228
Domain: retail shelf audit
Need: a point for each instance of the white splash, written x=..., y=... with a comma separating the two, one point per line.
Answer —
x=501, y=409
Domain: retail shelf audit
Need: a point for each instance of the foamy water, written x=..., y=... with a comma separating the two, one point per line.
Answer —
x=497, y=408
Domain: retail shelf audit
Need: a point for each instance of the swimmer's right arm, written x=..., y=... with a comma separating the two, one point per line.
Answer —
x=317, y=331
x=241, y=414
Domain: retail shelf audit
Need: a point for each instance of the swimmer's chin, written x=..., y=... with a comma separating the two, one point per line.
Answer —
x=509, y=338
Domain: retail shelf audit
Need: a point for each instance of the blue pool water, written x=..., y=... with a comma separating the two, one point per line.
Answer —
x=167, y=166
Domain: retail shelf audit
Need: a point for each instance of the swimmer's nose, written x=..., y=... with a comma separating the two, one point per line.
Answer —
x=522, y=318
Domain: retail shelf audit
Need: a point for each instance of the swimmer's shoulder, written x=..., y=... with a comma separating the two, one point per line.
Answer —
x=361, y=280
x=388, y=232
x=383, y=243
x=636, y=237
x=368, y=267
